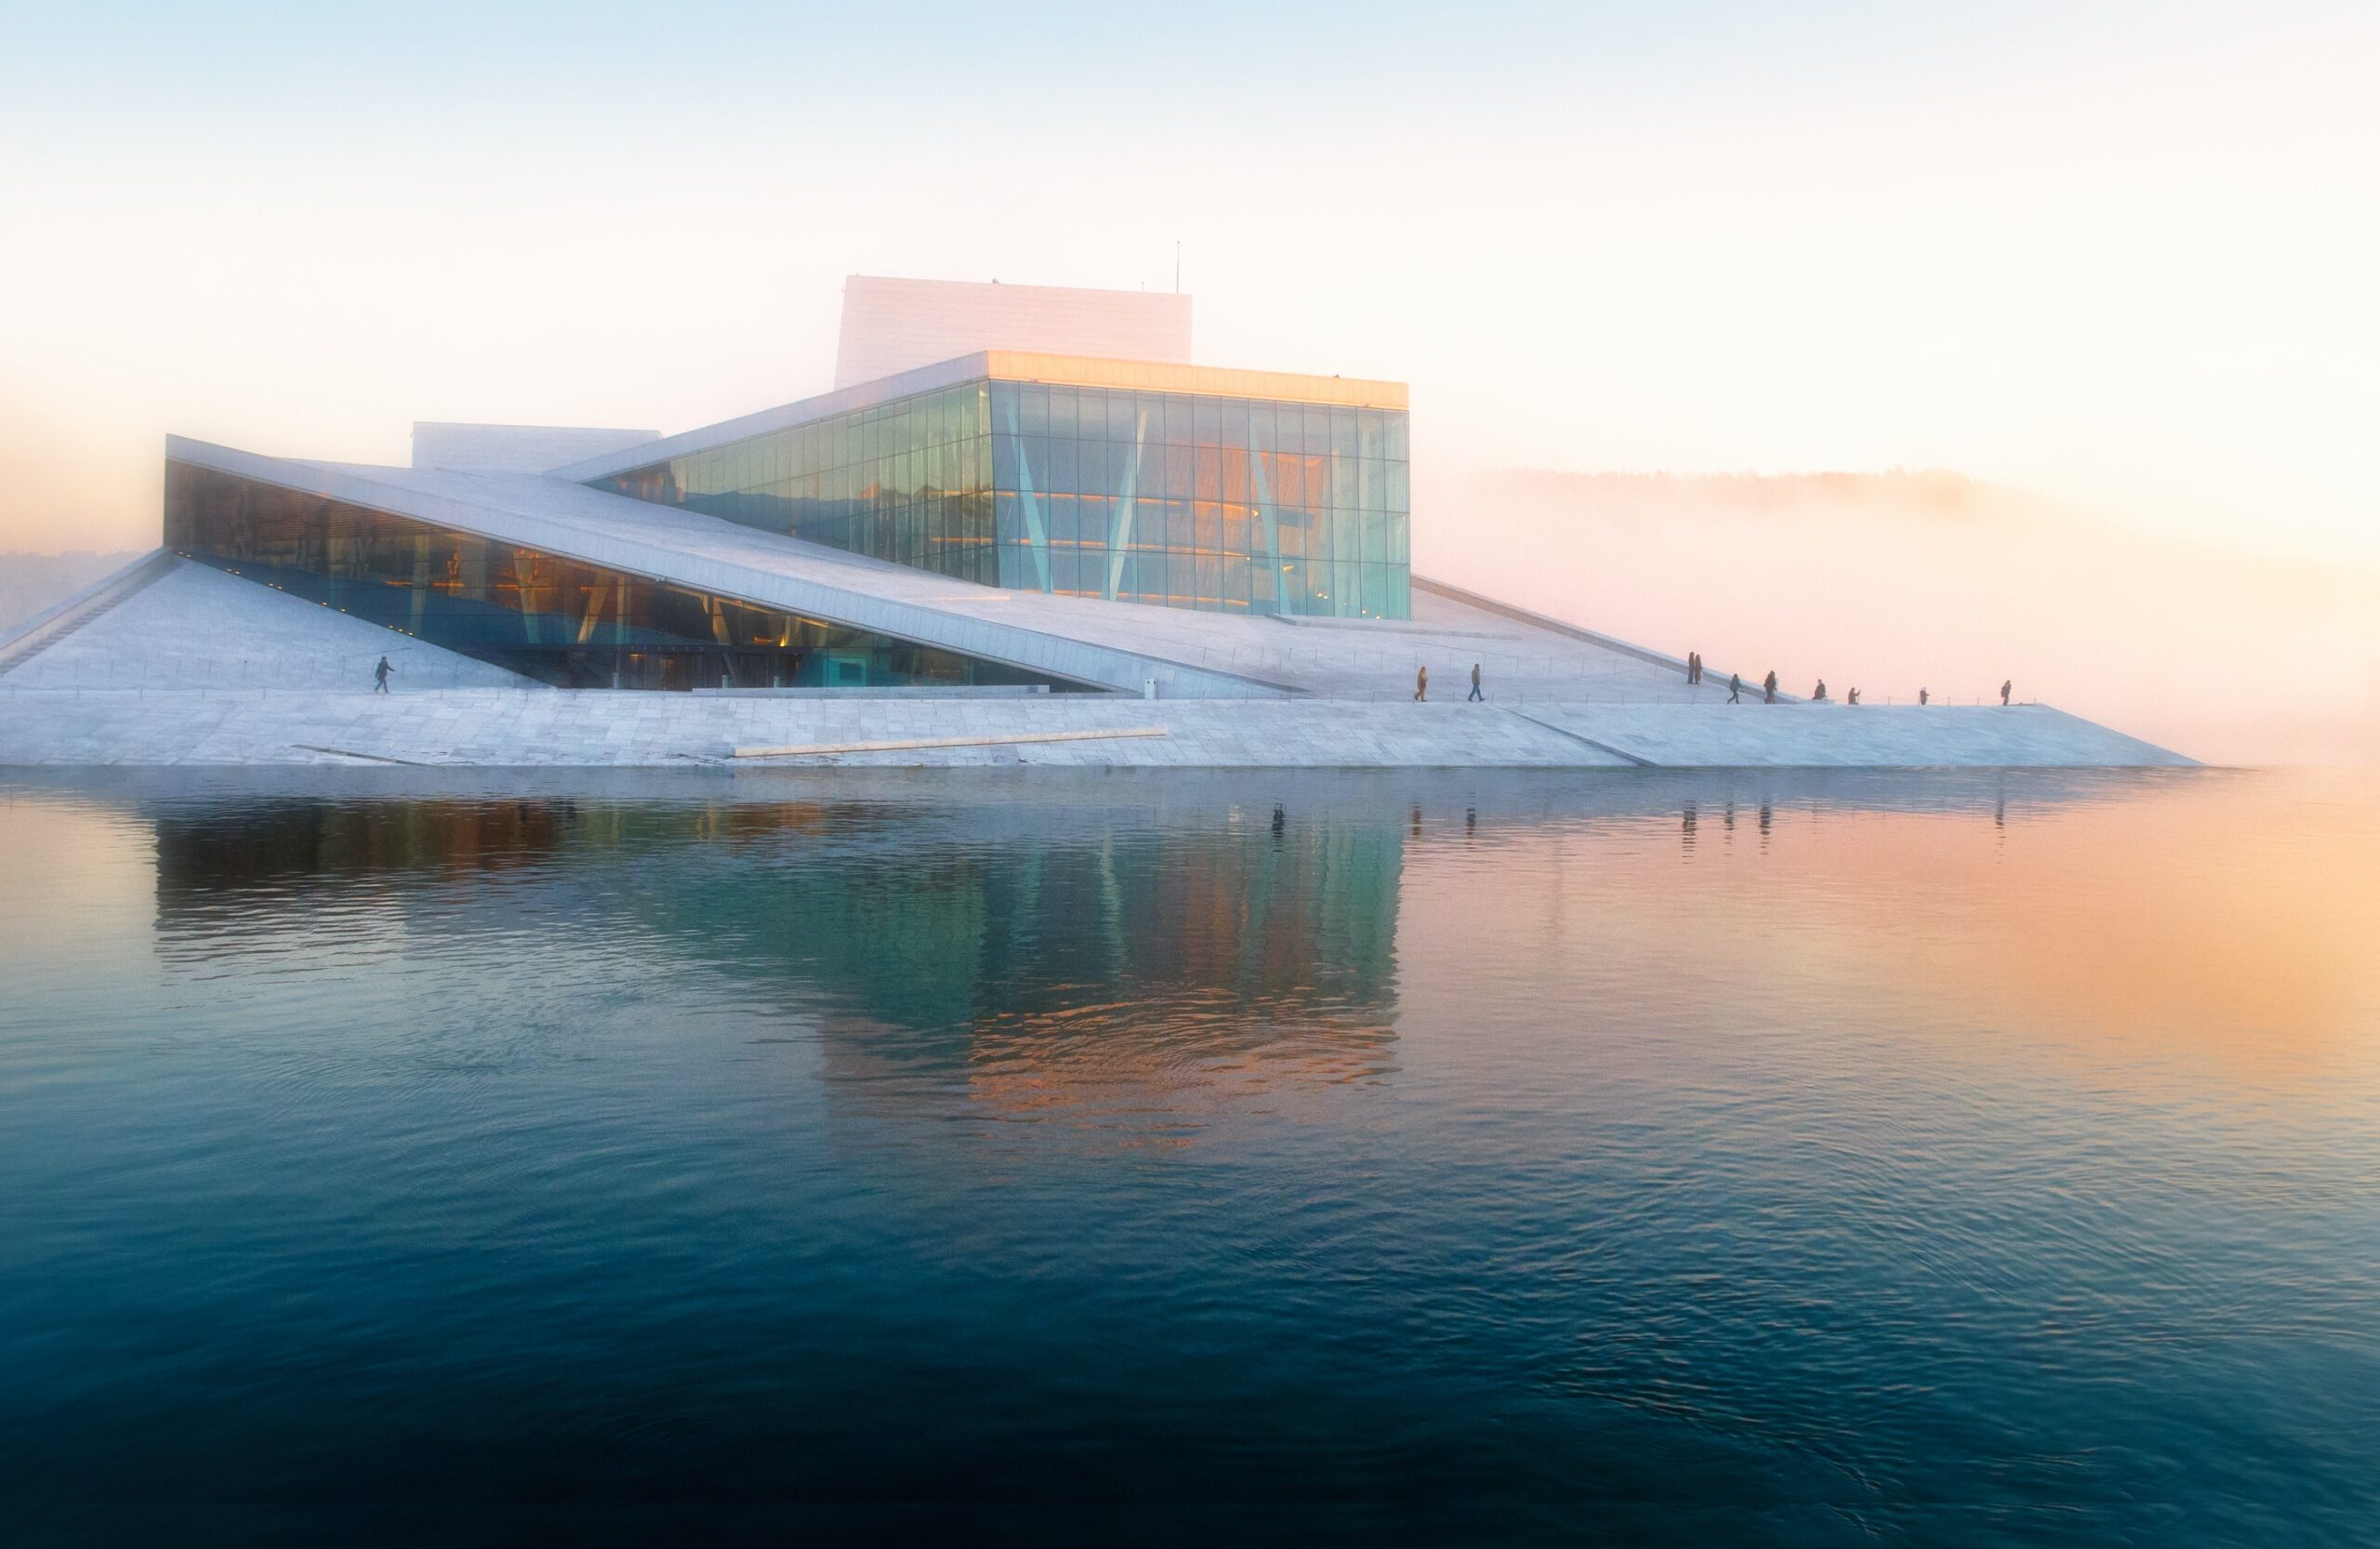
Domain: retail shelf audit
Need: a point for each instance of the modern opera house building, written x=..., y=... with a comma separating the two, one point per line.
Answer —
x=855, y=539
x=1017, y=503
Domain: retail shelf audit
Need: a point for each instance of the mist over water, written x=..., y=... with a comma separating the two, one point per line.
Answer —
x=1970, y=1158
x=1893, y=582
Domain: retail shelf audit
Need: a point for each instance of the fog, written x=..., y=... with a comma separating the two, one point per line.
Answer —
x=2120, y=255
x=1894, y=581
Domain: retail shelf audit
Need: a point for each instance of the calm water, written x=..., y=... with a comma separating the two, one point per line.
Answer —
x=1914, y=1158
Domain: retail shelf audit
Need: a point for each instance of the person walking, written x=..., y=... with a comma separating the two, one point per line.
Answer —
x=2005, y=684
x=380, y=676
x=1853, y=698
x=1475, y=684
x=1735, y=688
x=1421, y=685
x=1693, y=667
x=1921, y=696
x=1768, y=688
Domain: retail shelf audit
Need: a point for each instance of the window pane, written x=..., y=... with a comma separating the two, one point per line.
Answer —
x=1342, y=432
x=1261, y=426
x=1208, y=473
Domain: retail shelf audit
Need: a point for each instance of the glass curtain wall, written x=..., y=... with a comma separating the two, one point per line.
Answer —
x=908, y=481
x=1189, y=501
x=1227, y=504
x=555, y=619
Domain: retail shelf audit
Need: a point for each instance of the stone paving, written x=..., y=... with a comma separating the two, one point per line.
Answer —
x=497, y=727
x=197, y=628
x=207, y=669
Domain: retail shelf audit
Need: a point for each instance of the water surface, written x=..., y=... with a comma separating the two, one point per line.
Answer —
x=1940, y=1158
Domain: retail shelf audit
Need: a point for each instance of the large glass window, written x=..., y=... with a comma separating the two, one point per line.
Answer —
x=555, y=619
x=1192, y=501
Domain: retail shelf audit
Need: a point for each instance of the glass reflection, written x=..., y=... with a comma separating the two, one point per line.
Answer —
x=1223, y=504
x=554, y=619
x=907, y=941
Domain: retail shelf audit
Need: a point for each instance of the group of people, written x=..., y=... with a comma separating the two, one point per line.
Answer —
x=1817, y=694
x=1694, y=675
x=1421, y=685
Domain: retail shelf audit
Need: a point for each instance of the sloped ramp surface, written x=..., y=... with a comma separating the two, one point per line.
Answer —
x=1844, y=737
x=190, y=625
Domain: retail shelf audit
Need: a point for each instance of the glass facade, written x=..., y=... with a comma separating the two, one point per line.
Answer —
x=548, y=618
x=1232, y=504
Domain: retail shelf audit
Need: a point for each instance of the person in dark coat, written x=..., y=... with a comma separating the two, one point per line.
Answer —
x=1475, y=684
x=2006, y=684
x=1421, y=685
x=1768, y=688
x=1735, y=688
x=380, y=676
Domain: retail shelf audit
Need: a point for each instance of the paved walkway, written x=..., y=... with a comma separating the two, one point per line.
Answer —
x=493, y=727
x=197, y=628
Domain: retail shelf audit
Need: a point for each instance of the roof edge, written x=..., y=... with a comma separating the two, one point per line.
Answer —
x=1008, y=366
x=859, y=395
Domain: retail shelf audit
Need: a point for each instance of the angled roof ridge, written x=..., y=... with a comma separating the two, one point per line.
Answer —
x=802, y=411
x=1018, y=365
x=693, y=550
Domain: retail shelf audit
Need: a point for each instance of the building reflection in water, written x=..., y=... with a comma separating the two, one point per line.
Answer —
x=998, y=946
x=1146, y=941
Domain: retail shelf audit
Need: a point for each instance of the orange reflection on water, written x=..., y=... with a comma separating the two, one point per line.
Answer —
x=2227, y=923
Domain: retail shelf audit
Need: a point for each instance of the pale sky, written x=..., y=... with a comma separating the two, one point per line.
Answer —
x=2123, y=255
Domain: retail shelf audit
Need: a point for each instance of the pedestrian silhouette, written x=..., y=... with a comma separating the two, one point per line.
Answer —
x=1853, y=698
x=1421, y=685
x=380, y=676
x=1768, y=688
x=1735, y=688
x=1921, y=696
x=1474, y=684
x=1820, y=692
x=2005, y=684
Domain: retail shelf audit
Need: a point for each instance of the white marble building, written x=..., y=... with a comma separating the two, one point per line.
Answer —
x=1006, y=557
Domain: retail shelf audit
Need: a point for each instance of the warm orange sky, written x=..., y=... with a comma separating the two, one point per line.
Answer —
x=2119, y=253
